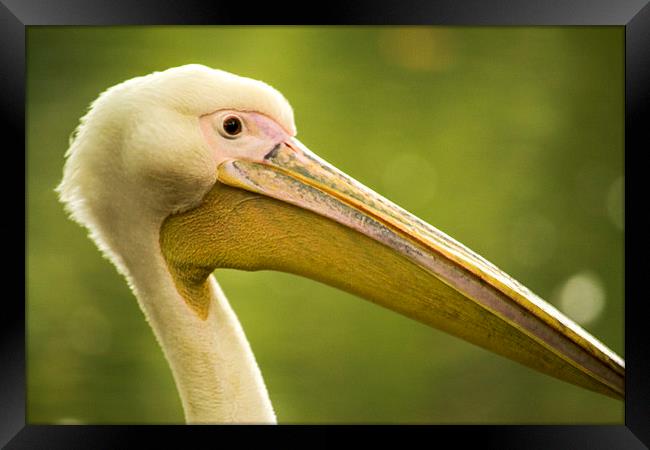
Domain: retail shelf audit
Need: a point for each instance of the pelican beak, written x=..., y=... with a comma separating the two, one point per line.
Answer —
x=327, y=226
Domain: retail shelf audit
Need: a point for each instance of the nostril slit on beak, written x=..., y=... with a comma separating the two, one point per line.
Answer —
x=273, y=152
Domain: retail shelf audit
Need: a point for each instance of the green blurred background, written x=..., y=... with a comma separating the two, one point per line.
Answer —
x=508, y=139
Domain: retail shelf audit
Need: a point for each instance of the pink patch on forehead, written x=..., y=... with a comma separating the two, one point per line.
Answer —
x=268, y=126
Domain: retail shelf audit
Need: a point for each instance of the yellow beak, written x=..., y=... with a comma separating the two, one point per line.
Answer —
x=309, y=218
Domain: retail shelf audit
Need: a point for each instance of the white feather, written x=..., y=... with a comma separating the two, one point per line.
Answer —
x=137, y=157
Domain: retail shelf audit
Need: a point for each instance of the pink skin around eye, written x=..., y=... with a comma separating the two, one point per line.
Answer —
x=267, y=133
x=268, y=127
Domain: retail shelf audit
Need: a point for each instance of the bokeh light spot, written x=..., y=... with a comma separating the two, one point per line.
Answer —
x=406, y=169
x=582, y=297
x=615, y=203
x=417, y=48
x=69, y=421
x=591, y=187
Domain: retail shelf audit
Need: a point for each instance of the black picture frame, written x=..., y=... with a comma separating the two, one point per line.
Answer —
x=634, y=15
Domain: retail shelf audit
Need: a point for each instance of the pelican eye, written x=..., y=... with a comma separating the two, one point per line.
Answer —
x=232, y=125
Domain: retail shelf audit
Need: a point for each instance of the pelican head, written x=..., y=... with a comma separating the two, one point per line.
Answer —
x=181, y=172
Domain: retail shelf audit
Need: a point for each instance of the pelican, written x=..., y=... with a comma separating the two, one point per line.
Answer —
x=181, y=172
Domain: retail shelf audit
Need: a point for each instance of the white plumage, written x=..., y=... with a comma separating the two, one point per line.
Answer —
x=138, y=157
